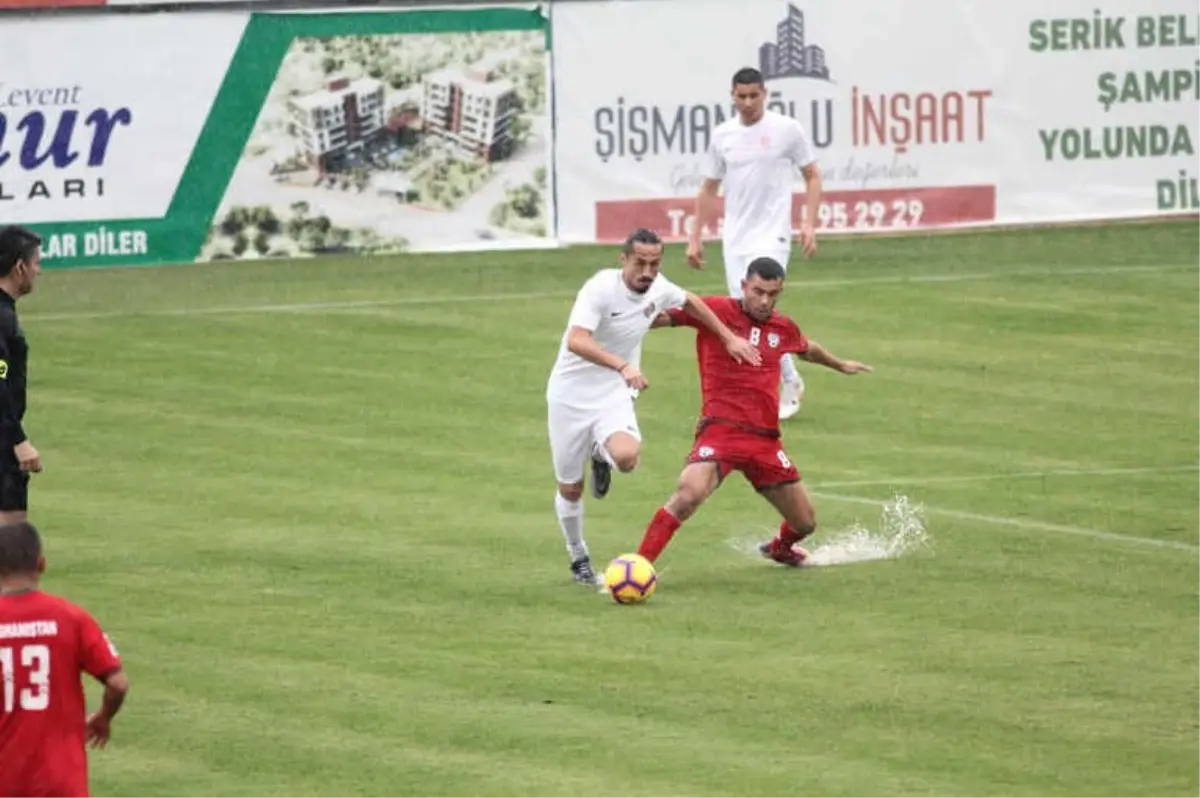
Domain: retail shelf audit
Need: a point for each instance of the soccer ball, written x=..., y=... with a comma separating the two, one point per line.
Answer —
x=630, y=579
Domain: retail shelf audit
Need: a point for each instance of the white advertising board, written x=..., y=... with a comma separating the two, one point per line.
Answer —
x=962, y=114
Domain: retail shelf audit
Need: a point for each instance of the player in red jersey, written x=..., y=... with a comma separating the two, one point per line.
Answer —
x=46, y=644
x=739, y=423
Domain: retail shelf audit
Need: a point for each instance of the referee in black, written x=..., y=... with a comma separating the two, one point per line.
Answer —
x=20, y=263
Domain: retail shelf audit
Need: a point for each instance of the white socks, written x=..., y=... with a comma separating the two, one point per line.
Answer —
x=787, y=365
x=601, y=450
x=570, y=520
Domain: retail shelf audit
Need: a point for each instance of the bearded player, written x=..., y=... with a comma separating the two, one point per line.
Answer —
x=756, y=154
x=739, y=426
x=590, y=409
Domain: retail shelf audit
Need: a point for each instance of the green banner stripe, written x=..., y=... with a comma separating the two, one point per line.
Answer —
x=235, y=109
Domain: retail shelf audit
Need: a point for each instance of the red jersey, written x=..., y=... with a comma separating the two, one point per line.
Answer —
x=745, y=395
x=46, y=645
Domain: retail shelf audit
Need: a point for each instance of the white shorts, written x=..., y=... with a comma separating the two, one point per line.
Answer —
x=573, y=430
x=736, y=265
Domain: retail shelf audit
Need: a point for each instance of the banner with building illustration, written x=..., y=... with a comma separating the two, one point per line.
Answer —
x=963, y=114
x=239, y=136
x=224, y=134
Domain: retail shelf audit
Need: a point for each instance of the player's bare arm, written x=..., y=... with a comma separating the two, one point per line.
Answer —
x=738, y=348
x=812, y=206
x=581, y=341
x=823, y=357
x=706, y=208
x=99, y=723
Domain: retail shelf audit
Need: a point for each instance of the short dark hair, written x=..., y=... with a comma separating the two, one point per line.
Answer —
x=20, y=548
x=16, y=244
x=641, y=236
x=766, y=268
x=747, y=76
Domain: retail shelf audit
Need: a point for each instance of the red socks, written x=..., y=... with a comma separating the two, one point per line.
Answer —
x=662, y=527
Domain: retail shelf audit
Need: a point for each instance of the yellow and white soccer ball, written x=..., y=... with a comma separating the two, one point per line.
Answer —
x=630, y=579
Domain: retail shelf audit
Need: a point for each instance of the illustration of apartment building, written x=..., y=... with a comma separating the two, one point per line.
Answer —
x=338, y=120
x=469, y=110
x=789, y=56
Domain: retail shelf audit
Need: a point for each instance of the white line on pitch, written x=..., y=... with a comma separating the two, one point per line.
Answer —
x=294, y=307
x=1021, y=523
x=1097, y=472
x=802, y=284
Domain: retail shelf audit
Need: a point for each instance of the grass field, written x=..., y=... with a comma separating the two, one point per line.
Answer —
x=312, y=504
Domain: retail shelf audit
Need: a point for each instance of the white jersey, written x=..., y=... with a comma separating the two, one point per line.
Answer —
x=618, y=319
x=757, y=164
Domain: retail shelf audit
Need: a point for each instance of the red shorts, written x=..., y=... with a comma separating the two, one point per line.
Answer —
x=760, y=458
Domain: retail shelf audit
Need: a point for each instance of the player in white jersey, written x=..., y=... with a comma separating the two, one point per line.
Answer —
x=756, y=154
x=592, y=386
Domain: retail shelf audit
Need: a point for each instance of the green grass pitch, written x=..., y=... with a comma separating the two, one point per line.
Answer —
x=312, y=503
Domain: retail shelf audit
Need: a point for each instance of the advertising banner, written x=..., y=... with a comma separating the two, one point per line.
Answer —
x=232, y=135
x=963, y=114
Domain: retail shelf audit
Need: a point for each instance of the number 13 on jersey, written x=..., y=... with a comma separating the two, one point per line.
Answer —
x=34, y=661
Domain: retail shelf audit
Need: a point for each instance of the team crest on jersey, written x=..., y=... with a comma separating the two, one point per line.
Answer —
x=649, y=311
x=766, y=142
x=773, y=340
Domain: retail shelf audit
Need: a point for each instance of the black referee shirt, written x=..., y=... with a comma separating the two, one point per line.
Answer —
x=14, y=359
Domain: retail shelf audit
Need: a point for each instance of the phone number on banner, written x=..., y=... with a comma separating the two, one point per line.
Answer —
x=868, y=209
